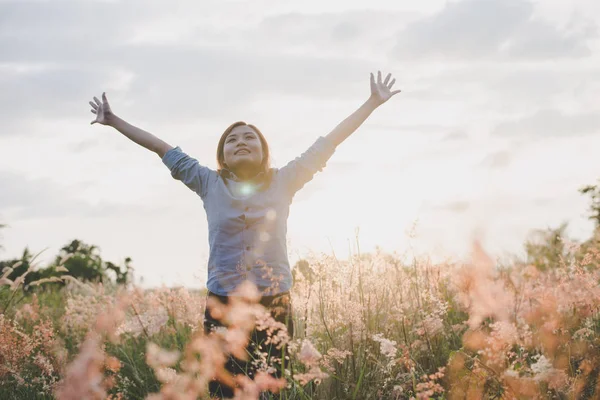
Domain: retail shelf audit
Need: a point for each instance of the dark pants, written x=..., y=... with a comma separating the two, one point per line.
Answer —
x=280, y=307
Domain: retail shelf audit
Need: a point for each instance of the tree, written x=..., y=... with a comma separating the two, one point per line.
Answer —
x=123, y=277
x=593, y=191
x=546, y=249
x=2, y=226
x=20, y=266
x=83, y=262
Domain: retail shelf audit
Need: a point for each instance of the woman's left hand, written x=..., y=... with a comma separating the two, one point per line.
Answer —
x=382, y=91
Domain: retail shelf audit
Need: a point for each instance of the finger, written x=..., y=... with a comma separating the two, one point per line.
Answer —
x=395, y=92
x=372, y=79
x=379, y=77
x=104, y=97
x=97, y=101
x=94, y=111
x=94, y=105
x=392, y=83
x=93, y=122
x=387, y=79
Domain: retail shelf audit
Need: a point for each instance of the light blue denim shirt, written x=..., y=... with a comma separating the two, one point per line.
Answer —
x=247, y=221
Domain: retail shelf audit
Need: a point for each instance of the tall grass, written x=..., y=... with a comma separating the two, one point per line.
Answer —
x=375, y=326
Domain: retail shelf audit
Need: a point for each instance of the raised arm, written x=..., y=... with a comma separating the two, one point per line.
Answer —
x=302, y=169
x=105, y=116
x=380, y=93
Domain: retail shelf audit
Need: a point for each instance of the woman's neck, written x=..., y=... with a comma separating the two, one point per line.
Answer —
x=246, y=174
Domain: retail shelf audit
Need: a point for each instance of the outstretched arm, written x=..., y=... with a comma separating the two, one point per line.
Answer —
x=182, y=166
x=301, y=170
x=105, y=116
x=380, y=93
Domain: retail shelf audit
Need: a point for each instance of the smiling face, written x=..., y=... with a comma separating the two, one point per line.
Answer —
x=242, y=150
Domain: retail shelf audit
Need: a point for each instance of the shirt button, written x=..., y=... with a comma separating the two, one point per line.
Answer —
x=247, y=247
x=248, y=268
x=247, y=209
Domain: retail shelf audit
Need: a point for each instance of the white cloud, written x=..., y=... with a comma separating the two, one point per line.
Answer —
x=185, y=70
x=496, y=29
x=24, y=199
x=356, y=35
x=549, y=122
x=498, y=159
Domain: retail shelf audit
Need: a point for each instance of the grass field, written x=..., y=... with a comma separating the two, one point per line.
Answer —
x=377, y=326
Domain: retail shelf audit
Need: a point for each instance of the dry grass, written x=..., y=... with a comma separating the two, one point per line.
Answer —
x=372, y=327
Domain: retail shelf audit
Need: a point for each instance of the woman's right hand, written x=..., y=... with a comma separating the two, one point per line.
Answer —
x=102, y=110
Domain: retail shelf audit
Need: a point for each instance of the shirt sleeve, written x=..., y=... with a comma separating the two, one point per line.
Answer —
x=187, y=170
x=301, y=170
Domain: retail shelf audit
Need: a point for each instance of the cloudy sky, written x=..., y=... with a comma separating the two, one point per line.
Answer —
x=497, y=126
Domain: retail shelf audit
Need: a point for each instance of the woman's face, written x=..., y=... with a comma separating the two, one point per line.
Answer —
x=242, y=149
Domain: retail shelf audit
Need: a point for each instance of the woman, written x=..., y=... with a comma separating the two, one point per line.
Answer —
x=247, y=203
